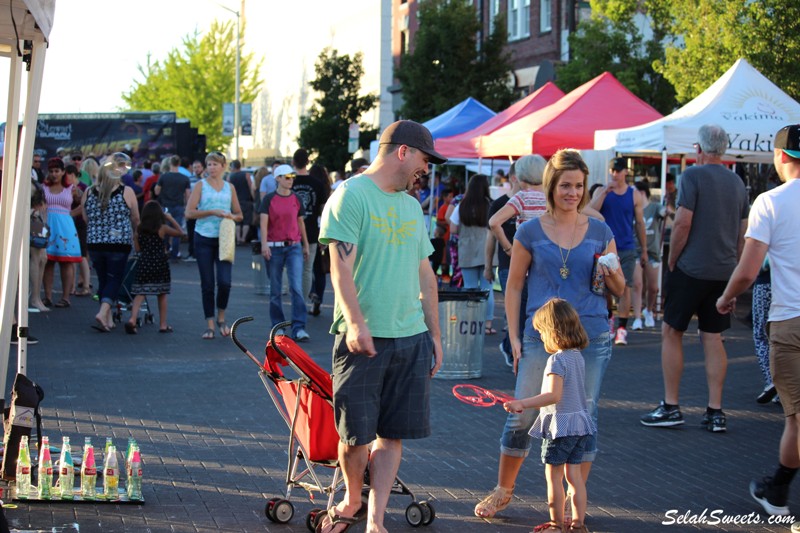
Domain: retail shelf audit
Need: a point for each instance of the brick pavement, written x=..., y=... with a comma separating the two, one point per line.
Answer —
x=214, y=446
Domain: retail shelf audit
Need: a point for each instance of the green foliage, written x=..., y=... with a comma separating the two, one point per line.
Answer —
x=338, y=104
x=196, y=80
x=446, y=65
x=715, y=33
x=614, y=43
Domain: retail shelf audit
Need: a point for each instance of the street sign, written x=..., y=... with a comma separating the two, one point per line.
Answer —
x=227, y=119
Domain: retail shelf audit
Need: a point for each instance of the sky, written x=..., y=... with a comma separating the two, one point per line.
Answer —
x=94, y=38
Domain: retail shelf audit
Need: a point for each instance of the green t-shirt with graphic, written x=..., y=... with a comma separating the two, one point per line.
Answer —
x=389, y=231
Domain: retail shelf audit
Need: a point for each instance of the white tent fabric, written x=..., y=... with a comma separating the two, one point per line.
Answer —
x=743, y=101
x=22, y=20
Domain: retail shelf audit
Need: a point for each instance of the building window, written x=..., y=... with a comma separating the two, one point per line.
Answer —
x=403, y=42
x=494, y=9
x=519, y=19
x=545, y=15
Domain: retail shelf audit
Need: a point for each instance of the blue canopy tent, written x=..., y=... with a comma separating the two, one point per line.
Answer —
x=463, y=117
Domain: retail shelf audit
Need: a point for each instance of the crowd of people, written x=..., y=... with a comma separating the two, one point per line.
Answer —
x=128, y=223
x=566, y=258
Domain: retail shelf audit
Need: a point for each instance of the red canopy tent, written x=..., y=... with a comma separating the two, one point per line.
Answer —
x=571, y=121
x=465, y=145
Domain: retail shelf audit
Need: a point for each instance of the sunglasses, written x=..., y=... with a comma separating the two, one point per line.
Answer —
x=77, y=158
x=289, y=176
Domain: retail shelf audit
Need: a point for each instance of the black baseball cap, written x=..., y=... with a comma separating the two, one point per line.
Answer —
x=788, y=140
x=619, y=163
x=414, y=135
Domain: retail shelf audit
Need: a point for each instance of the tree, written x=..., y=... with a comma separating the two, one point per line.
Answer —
x=710, y=35
x=338, y=104
x=447, y=65
x=195, y=81
x=611, y=41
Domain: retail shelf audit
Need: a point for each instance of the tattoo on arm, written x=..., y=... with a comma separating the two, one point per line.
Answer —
x=344, y=249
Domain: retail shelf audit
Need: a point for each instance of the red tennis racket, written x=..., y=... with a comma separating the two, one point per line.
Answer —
x=480, y=397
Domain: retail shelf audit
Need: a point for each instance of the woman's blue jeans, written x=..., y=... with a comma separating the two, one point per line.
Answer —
x=515, y=441
x=110, y=267
x=473, y=279
x=206, y=251
x=290, y=257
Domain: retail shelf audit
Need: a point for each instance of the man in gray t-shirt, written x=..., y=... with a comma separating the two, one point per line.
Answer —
x=707, y=239
x=173, y=189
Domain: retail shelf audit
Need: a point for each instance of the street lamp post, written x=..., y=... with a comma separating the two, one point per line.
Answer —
x=236, y=106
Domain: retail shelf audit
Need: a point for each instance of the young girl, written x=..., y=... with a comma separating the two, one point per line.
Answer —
x=152, y=269
x=563, y=423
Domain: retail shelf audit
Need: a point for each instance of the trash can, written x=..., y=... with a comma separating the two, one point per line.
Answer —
x=462, y=316
x=259, y=266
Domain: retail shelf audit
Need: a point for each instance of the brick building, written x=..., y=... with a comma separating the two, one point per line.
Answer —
x=537, y=35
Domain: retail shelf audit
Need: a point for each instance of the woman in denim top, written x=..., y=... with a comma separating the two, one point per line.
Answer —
x=556, y=253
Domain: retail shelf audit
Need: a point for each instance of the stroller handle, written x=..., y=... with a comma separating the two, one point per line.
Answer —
x=236, y=341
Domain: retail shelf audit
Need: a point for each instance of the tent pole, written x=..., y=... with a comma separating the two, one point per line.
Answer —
x=663, y=203
x=20, y=219
x=10, y=155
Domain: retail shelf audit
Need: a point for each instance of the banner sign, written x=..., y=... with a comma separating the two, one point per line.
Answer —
x=145, y=135
x=227, y=119
x=246, y=118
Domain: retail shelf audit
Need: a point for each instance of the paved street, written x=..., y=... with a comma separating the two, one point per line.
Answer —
x=214, y=447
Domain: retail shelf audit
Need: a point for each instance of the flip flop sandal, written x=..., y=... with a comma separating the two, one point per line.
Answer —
x=335, y=519
x=47, y=302
x=167, y=329
x=208, y=335
x=62, y=303
x=130, y=329
x=224, y=330
x=101, y=328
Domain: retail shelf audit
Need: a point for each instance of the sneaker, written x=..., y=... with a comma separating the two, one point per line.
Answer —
x=649, y=319
x=637, y=324
x=715, y=423
x=301, y=335
x=771, y=497
x=767, y=395
x=508, y=357
x=15, y=339
x=280, y=332
x=663, y=417
x=190, y=259
x=621, y=338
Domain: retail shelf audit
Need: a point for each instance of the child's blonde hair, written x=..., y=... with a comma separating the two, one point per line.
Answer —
x=560, y=326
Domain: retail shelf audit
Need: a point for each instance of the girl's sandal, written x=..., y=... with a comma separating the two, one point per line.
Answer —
x=208, y=334
x=548, y=526
x=224, y=330
x=496, y=501
x=577, y=527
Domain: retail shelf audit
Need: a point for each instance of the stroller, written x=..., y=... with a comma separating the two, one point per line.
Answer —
x=306, y=405
x=125, y=297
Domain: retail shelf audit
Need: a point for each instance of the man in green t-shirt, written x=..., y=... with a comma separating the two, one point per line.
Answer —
x=386, y=320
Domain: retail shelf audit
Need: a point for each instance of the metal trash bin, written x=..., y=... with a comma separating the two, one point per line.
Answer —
x=462, y=316
x=259, y=266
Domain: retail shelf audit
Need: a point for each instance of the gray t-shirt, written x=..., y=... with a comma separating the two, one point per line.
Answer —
x=718, y=200
x=173, y=188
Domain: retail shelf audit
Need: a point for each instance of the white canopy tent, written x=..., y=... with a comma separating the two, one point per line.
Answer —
x=24, y=30
x=744, y=102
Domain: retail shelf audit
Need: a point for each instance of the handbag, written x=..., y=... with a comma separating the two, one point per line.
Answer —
x=39, y=232
x=598, y=284
x=227, y=240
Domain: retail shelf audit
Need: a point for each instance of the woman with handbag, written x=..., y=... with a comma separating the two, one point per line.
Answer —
x=213, y=200
x=557, y=254
x=111, y=214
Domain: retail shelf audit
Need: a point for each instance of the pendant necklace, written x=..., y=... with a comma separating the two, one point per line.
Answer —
x=564, y=271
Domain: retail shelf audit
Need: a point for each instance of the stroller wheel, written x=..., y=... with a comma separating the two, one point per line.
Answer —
x=414, y=514
x=314, y=516
x=269, y=507
x=116, y=316
x=428, y=514
x=283, y=511
x=138, y=322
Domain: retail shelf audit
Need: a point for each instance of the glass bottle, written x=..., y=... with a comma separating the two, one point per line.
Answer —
x=66, y=471
x=111, y=474
x=45, y=487
x=135, y=475
x=88, y=474
x=23, y=469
